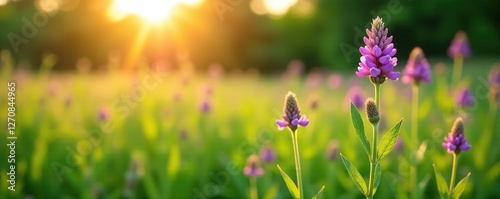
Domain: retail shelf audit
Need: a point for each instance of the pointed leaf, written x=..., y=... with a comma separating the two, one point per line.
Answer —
x=441, y=183
x=460, y=187
x=290, y=184
x=357, y=122
x=378, y=177
x=319, y=195
x=355, y=175
x=388, y=141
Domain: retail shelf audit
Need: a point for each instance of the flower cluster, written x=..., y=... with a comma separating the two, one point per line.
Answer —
x=253, y=167
x=464, y=98
x=456, y=142
x=459, y=46
x=417, y=69
x=291, y=116
x=377, y=60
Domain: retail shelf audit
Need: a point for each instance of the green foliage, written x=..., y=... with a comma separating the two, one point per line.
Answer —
x=290, y=184
x=441, y=184
x=357, y=122
x=388, y=141
x=355, y=175
x=459, y=189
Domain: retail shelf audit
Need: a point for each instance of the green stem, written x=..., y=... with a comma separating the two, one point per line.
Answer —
x=253, y=188
x=457, y=69
x=373, y=159
x=297, y=163
x=414, y=138
x=414, y=125
x=453, y=168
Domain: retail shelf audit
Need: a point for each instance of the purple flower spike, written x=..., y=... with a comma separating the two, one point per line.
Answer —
x=459, y=46
x=253, y=168
x=464, y=98
x=332, y=151
x=494, y=77
x=291, y=116
x=205, y=106
x=103, y=115
x=377, y=60
x=417, y=69
x=267, y=154
x=355, y=95
x=456, y=142
x=494, y=80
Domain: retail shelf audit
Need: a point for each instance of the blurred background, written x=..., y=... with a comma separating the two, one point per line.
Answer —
x=86, y=129
x=261, y=34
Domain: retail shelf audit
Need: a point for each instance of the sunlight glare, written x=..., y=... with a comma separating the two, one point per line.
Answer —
x=278, y=7
x=153, y=11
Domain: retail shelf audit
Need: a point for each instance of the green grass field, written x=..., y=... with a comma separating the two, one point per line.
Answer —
x=153, y=140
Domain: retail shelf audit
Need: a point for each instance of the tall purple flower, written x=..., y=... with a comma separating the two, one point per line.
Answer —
x=291, y=116
x=205, y=106
x=417, y=69
x=267, y=154
x=464, y=98
x=103, y=114
x=459, y=46
x=377, y=60
x=355, y=95
x=494, y=80
x=494, y=77
x=253, y=169
x=332, y=151
x=334, y=80
x=456, y=142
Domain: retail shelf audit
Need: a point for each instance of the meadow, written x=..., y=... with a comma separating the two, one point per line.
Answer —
x=167, y=133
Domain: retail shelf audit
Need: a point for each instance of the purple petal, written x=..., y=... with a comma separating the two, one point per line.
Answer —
x=374, y=72
x=295, y=122
x=464, y=147
x=384, y=59
x=364, y=50
x=377, y=51
x=393, y=52
x=282, y=123
x=393, y=75
x=388, y=49
x=367, y=41
x=452, y=146
x=303, y=121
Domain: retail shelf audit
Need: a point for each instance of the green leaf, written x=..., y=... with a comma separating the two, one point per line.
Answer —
x=357, y=122
x=441, y=183
x=290, y=184
x=378, y=177
x=319, y=195
x=388, y=141
x=457, y=191
x=355, y=175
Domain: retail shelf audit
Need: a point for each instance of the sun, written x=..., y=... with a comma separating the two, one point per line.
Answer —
x=153, y=11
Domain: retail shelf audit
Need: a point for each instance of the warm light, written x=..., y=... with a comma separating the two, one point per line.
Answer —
x=150, y=10
x=278, y=7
